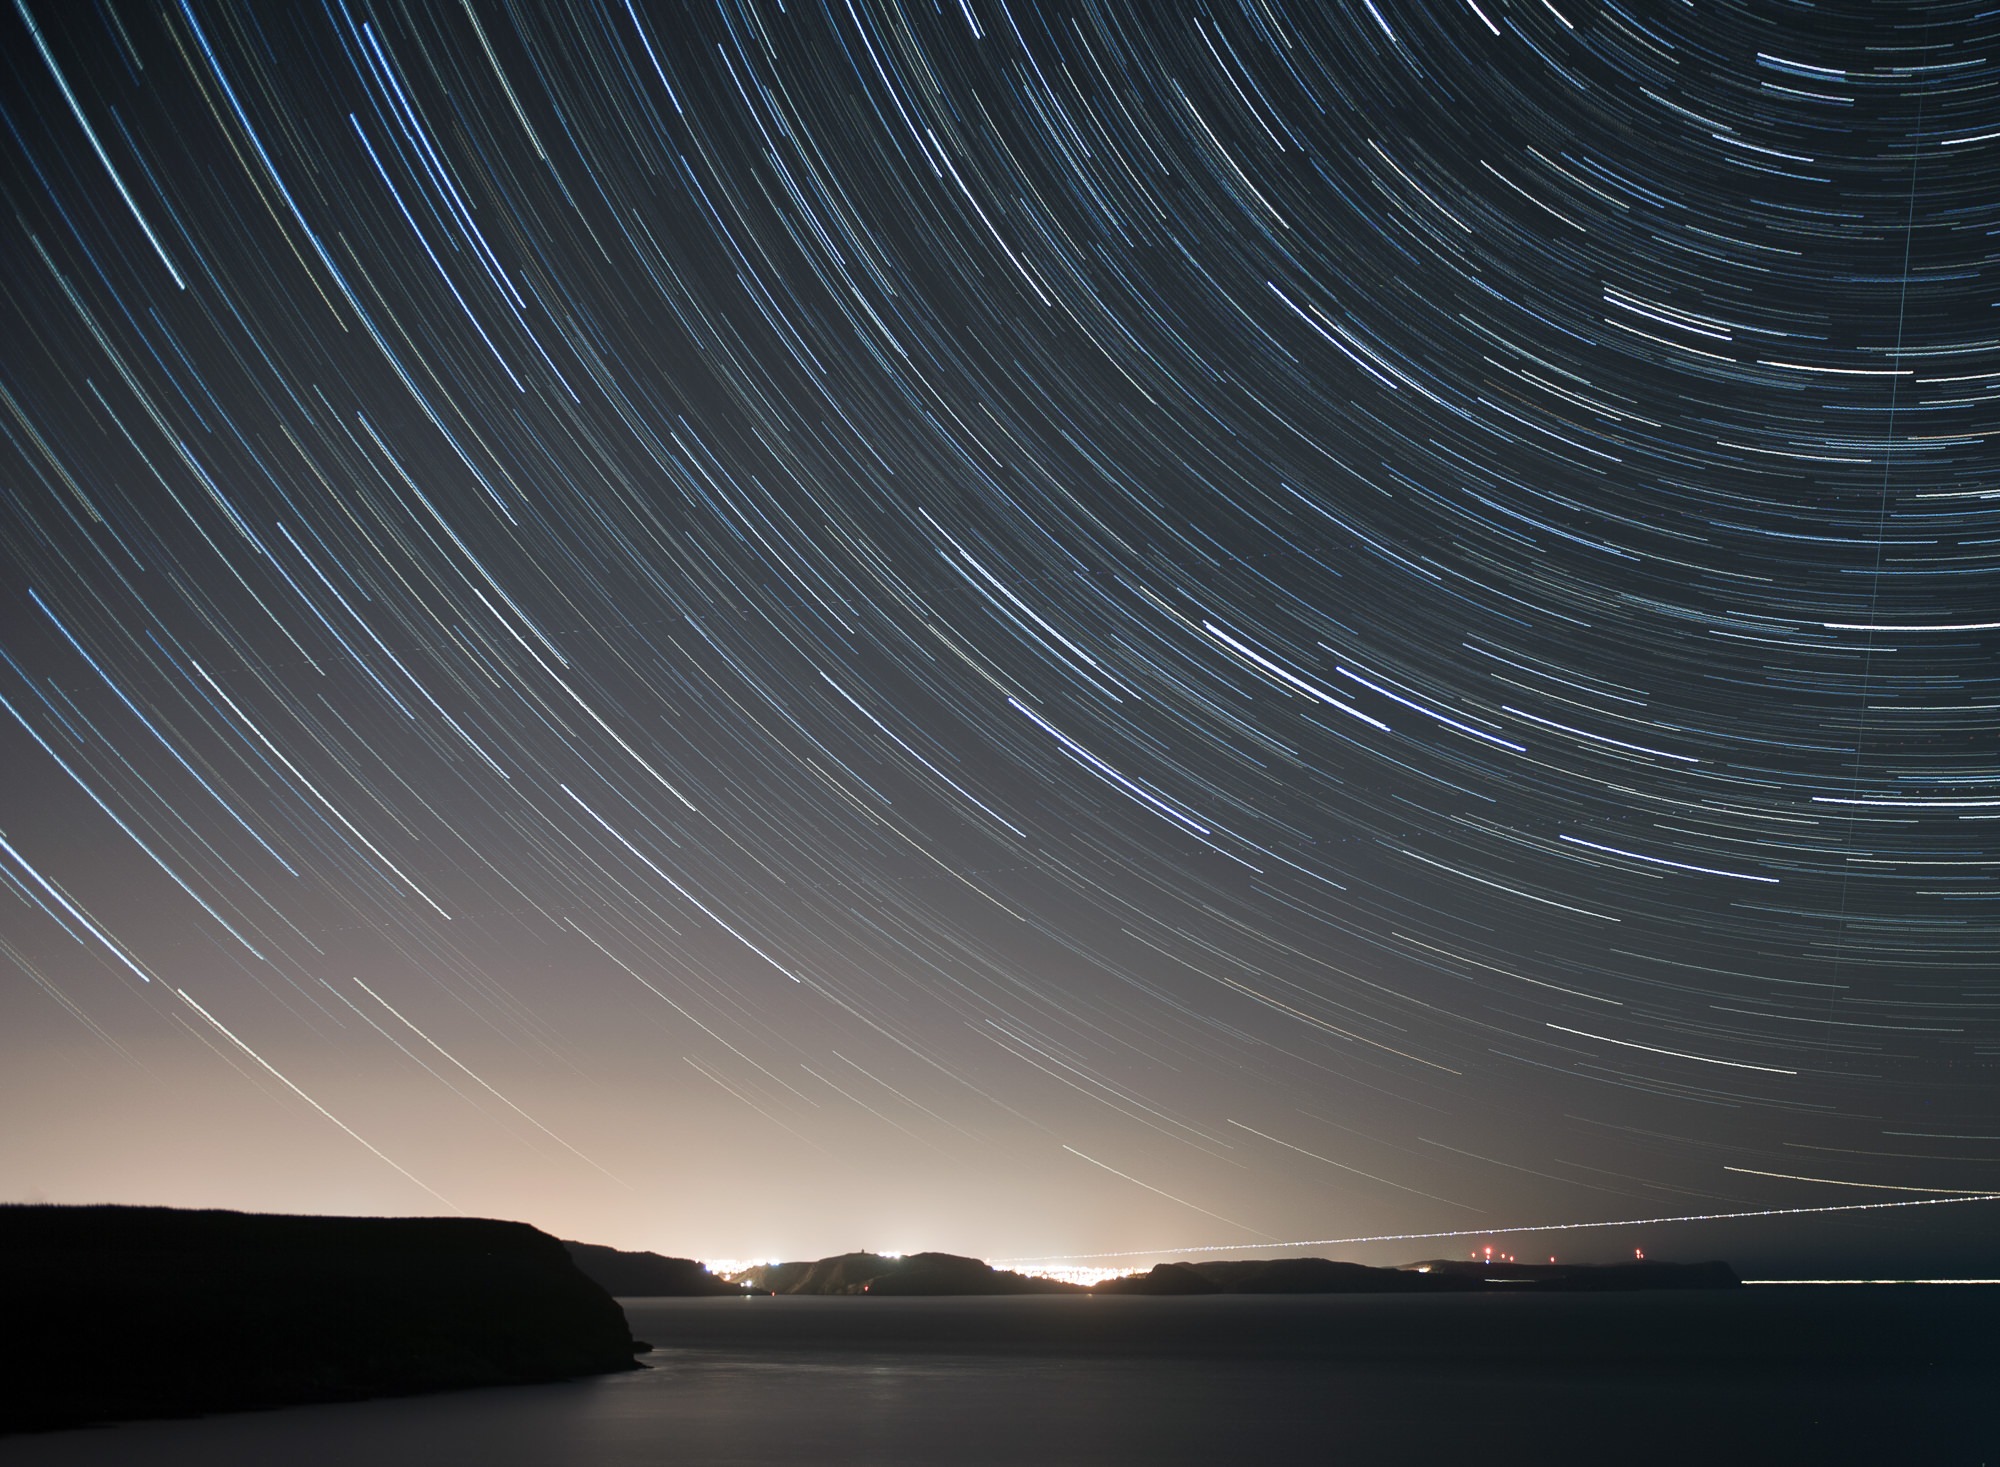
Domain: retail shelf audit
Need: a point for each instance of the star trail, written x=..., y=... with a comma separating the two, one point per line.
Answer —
x=1038, y=629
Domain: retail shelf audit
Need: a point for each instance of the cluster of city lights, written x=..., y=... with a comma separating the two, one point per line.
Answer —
x=734, y=1268
x=1077, y=1273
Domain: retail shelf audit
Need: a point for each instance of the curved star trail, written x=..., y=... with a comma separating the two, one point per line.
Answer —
x=752, y=627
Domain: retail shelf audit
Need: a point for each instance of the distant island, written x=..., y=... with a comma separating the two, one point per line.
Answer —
x=240, y=1310
x=233, y=1310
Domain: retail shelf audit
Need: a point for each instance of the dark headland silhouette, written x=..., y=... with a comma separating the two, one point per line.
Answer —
x=241, y=1310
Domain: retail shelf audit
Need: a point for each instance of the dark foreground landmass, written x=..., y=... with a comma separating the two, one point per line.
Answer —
x=232, y=1310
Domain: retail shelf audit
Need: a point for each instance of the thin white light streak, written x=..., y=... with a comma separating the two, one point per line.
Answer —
x=76, y=110
x=1168, y=1195
x=1842, y=371
x=1101, y=767
x=489, y=1089
x=120, y=822
x=1676, y=1053
x=1633, y=1222
x=379, y=1154
x=68, y=906
x=1448, y=722
x=1833, y=1182
x=1906, y=804
x=1289, y=679
x=1502, y=886
x=706, y=911
x=1343, y=1166
x=1596, y=738
x=1663, y=861
x=312, y=789
x=1943, y=626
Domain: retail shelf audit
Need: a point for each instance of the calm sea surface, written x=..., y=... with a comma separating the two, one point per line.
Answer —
x=1770, y=1375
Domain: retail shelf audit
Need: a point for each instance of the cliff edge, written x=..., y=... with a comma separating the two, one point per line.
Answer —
x=122, y=1312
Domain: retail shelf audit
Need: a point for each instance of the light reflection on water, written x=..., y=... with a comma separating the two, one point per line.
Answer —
x=1774, y=1375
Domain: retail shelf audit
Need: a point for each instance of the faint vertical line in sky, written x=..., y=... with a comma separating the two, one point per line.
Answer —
x=1881, y=537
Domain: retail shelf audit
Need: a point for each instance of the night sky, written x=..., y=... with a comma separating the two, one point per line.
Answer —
x=758, y=629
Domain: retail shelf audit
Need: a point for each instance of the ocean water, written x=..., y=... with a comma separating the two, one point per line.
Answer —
x=1767, y=1375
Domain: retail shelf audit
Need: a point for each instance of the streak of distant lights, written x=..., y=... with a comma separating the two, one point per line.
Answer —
x=1632, y=1222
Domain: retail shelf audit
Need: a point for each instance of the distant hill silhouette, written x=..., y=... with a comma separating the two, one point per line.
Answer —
x=234, y=1310
x=913, y=1273
x=1438, y=1276
x=649, y=1274
x=1281, y=1276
